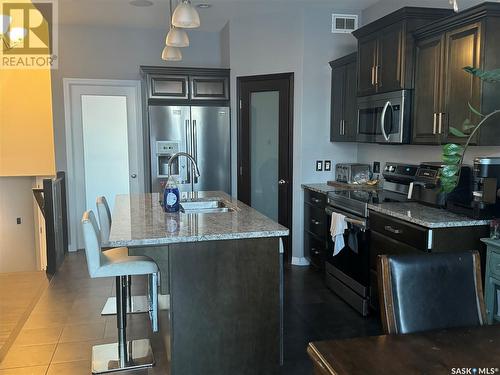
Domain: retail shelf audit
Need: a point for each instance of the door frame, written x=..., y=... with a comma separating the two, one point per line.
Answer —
x=74, y=143
x=285, y=148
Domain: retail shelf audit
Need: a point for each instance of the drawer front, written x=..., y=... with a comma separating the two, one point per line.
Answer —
x=410, y=234
x=314, y=198
x=168, y=86
x=494, y=263
x=315, y=220
x=315, y=249
x=210, y=88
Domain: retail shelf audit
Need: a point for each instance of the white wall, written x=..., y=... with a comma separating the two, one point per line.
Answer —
x=17, y=241
x=298, y=40
x=367, y=153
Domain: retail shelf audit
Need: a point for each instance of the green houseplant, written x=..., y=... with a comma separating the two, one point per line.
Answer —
x=453, y=154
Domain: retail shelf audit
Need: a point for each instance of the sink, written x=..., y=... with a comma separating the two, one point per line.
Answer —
x=205, y=206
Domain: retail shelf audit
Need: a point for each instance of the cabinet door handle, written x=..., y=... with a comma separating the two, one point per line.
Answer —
x=343, y=127
x=376, y=75
x=315, y=222
x=393, y=230
x=315, y=200
x=314, y=251
x=434, y=124
x=373, y=75
x=440, y=127
x=340, y=125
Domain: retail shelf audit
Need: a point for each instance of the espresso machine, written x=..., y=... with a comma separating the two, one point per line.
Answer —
x=484, y=200
x=426, y=188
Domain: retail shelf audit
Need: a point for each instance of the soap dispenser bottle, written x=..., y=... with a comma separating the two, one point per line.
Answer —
x=171, y=196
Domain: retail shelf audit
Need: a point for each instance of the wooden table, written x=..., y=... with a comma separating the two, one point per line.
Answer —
x=437, y=352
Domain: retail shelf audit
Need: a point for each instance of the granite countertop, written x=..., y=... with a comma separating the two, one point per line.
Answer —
x=323, y=188
x=425, y=216
x=139, y=220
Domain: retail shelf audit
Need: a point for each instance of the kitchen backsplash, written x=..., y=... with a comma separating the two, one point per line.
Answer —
x=367, y=153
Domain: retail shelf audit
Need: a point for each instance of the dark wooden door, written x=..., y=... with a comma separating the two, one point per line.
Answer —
x=337, y=122
x=367, y=55
x=351, y=102
x=389, y=67
x=428, y=77
x=462, y=49
x=279, y=183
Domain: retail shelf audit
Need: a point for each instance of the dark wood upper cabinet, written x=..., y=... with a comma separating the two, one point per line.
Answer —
x=186, y=85
x=343, y=120
x=443, y=89
x=429, y=56
x=386, y=49
x=367, y=60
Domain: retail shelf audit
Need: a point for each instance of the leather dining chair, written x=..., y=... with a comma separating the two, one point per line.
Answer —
x=430, y=291
x=124, y=354
x=136, y=304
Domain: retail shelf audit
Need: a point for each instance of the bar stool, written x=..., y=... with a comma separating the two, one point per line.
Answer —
x=123, y=355
x=136, y=304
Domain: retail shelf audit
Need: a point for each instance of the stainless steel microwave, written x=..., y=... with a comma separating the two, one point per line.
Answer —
x=384, y=118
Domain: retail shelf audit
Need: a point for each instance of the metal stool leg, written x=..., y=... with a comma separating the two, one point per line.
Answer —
x=136, y=304
x=123, y=355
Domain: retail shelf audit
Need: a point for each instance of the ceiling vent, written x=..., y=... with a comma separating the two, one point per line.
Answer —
x=344, y=23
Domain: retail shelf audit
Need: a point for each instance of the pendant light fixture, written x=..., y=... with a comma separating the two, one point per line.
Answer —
x=171, y=53
x=176, y=37
x=186, y=16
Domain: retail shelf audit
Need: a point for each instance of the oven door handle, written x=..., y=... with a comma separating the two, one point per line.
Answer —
x=382, y=120
x=359, y=223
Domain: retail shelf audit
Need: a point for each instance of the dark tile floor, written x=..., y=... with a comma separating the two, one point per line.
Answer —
x=66, y=322
x=312, y=313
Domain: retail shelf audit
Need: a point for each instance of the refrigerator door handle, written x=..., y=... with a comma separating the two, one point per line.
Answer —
x=195, y=146
x=189, y=145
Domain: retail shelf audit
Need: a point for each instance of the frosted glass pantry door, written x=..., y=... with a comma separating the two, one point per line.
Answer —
x=105, y=147
x=264, y=142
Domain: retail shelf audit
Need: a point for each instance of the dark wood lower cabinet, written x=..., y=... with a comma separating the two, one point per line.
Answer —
x=391, y=236
x=315, y=230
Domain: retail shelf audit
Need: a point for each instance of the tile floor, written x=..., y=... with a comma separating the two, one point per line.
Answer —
x=18, y=294
x=66, y=322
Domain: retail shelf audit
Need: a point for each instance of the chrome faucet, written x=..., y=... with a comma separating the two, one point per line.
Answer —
x=189, y=157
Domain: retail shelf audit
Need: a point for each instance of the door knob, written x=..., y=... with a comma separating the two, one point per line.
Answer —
x=281, y=182
x=133, y=175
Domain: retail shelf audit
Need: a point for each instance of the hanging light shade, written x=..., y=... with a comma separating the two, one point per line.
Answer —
x=177, y=38
x=186, y=16
x=171, y=54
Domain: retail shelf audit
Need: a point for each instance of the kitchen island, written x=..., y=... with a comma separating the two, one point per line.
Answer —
x=221, y=265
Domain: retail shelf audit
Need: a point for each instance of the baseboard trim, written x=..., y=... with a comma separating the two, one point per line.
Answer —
x=300, y=261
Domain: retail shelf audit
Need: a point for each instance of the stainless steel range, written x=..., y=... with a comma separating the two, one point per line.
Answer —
x=348, y=273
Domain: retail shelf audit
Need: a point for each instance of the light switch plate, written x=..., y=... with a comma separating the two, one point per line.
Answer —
x=328, y=165
x=319, y=165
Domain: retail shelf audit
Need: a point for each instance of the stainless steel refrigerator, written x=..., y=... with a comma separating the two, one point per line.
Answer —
x=204, y=133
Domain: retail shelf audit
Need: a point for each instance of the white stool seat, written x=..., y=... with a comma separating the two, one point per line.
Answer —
x=117, y=262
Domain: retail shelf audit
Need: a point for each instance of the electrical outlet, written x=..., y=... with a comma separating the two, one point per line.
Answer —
x=376, y=167
x=319, y=165
x=18, y=220
x=328, y=165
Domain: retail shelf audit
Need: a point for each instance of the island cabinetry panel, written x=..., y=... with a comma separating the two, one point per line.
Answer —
x=386, y=49
x=315, y=228
x=225, y=307
x=444, y=48
x=343, y=108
